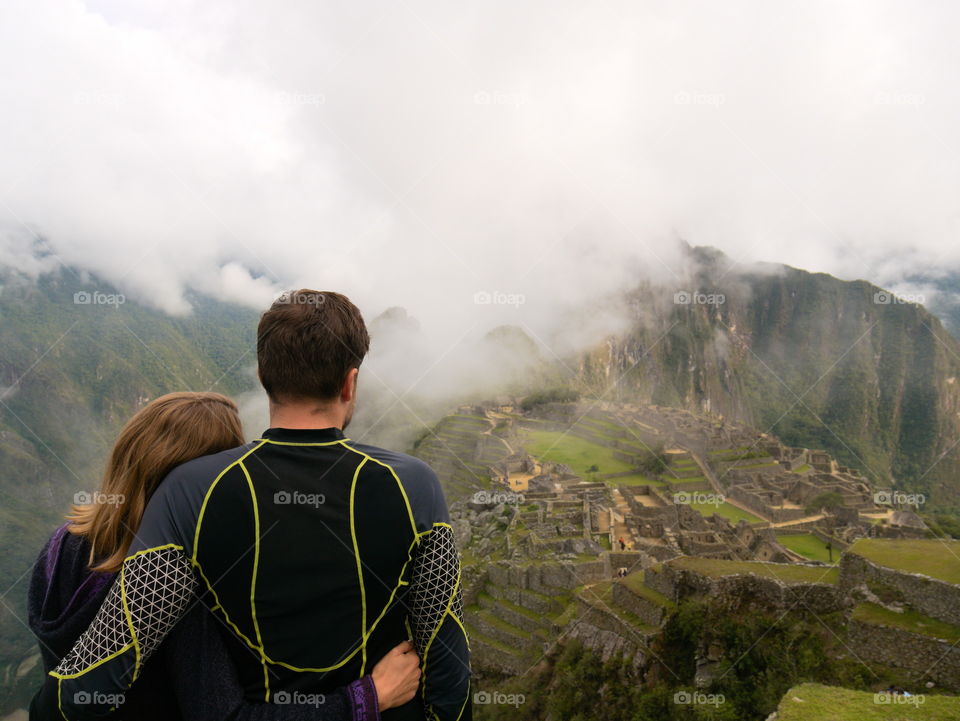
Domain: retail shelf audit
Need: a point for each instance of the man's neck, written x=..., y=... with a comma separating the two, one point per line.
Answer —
x=306, y=415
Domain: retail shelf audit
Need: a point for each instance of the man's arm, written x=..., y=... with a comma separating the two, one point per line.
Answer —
x=154, y=588
x=436, y=611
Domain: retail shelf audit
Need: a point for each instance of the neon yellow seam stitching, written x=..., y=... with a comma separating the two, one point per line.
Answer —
x=356, y=553
x=60, y=699
x=92, y=666
x=206, y=497
x=446, y=611
x=149, y=550
x=413, y=524
x=129, y=620
x=253, y=579
x=288, y=443
x=400, y=583
x=226, y=616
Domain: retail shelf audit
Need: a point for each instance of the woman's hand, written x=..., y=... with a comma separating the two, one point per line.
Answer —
x=397, y=676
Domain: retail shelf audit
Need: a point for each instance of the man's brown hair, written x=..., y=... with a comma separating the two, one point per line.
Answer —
x=307, y=342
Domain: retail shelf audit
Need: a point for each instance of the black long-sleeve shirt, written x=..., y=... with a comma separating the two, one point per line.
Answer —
x=318, y=554
x=192, y=678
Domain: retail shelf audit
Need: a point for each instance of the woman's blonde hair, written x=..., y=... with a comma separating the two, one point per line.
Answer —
x=168, y=431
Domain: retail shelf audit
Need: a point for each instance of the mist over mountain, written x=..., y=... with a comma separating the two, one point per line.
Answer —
x=818, y=361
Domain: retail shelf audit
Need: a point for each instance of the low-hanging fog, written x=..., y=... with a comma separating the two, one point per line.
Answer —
x=434, y=156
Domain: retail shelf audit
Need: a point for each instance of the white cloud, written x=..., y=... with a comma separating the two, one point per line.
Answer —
x=415, y=153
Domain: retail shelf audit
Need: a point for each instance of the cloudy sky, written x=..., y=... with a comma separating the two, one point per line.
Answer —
x=416, y=152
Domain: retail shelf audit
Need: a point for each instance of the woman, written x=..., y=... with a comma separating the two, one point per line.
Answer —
x=81, y=559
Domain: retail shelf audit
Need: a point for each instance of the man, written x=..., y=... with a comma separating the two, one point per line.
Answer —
x=319, y=554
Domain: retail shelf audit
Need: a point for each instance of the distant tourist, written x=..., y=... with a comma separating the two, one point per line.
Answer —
x=623, y=544
x=319, y=554
x=192, y=676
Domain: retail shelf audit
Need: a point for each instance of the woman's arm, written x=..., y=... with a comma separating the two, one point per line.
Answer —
x=208, y=689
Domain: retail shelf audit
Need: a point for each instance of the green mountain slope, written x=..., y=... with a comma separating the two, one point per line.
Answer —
x=820, y=362
x=70, y=375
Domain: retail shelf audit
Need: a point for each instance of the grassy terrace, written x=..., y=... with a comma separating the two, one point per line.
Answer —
x=788, y=573
x=601, y=595
x=634, y=479
x=828, y=703
x=809, y=546
x=908, y=621
x=681, y=481
x=575, y=452
x=635, y=583
x=933, y=557
x=726, y=510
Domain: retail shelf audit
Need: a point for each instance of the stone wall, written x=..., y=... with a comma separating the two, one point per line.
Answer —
x=930, y=596
x=929, y=658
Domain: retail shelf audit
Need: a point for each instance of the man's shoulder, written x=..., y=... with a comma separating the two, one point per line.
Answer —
x=417, y=479
x=201, y=472
x=409, y=469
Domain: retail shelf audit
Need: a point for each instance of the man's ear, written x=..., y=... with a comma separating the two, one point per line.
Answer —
x=349, y=389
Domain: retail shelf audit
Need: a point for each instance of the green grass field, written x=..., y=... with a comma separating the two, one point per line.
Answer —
x=809, y=546
x=575, y=452
x=634, y=479
x=933, y=557
x=813, y=702
x=909, y=620
x=692, y=479
x=726, y=510
x=788, y=573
